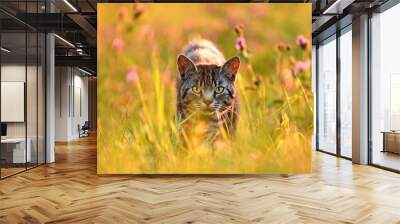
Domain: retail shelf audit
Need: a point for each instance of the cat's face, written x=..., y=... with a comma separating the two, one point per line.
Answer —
x=207, y=89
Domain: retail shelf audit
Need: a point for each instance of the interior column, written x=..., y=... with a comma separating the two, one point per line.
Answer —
x=360, y=90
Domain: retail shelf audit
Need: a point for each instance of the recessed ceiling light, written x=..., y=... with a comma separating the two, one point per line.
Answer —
x=337, y=7
x=70, y=5
x=84, y=71
x=5, y=50
x=64, y=40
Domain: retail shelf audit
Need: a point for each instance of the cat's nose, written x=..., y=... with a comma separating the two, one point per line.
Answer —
x=207, y=101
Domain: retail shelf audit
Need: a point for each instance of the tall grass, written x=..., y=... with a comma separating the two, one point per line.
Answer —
x=137, y=129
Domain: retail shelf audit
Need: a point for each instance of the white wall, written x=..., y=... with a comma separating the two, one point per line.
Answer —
x=33, y=127
x=12, y=73
x=62, y=81
x=80, y=89
x=71, y=93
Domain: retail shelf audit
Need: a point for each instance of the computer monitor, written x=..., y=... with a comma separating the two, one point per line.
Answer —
x=3, y=129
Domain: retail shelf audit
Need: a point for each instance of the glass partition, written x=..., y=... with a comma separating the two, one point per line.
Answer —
x=41, y=87
x=32, y=95
x=14, y=153
x=22, y=89
x=327, y=95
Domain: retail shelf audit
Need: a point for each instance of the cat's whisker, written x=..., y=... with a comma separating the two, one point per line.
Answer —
x=229, y=109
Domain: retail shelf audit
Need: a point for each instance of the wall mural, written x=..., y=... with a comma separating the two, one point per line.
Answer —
x=204, y=88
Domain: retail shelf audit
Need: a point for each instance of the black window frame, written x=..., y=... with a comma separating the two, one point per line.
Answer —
x=381, y=9
x=337, y=30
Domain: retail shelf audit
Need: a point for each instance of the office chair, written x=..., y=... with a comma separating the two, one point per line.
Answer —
x=84, y=130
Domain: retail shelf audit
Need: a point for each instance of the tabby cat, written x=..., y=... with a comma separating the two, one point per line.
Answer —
x=207, y=100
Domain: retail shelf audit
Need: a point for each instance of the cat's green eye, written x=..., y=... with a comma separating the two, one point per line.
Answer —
x=219, y=89
x=196, y=89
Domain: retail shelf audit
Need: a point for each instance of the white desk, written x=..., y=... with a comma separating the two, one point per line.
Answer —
x=19, y=155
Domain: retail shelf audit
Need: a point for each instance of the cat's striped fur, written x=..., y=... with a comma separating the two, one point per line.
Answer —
x=206, y=92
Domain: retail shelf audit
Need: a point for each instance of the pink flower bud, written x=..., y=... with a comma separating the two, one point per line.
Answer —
x=132, y=75
x=240, y=43
x=299, y=67
x=118, y=44
x=302, y=41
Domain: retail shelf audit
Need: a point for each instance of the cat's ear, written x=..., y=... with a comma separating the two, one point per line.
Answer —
x=231, y=67
x=185, y=65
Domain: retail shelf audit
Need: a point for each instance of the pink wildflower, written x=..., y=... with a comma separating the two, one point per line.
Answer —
x=240, y=43
x=118, y=44
x=302, y=41
x=132, y=75
x=300, y=66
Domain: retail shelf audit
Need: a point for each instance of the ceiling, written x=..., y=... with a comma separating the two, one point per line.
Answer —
x=75, y=21
x=331, y=15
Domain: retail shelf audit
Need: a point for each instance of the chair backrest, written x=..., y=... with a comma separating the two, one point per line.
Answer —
x=86, y=124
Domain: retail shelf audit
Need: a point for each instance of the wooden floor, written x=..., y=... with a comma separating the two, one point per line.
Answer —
x=70, y=191
x=5, y=172
x=387, y=159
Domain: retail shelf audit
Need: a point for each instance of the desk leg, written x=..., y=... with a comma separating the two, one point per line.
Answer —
x=384, y=142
